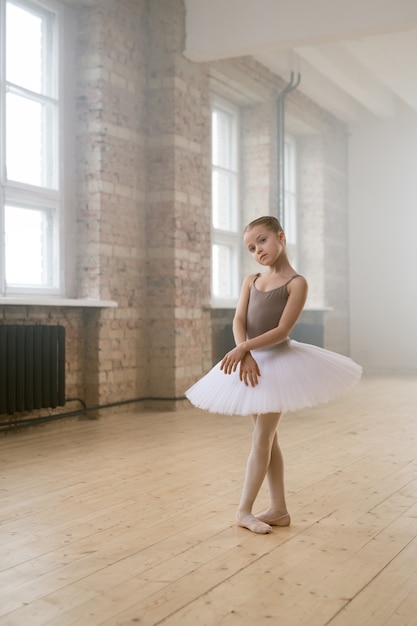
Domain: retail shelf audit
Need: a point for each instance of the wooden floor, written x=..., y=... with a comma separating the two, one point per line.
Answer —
x=130, y=519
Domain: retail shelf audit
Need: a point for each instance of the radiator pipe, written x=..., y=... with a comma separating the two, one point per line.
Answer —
x=15, y=424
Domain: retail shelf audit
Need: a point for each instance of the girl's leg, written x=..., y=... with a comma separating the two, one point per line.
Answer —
x=277, y=514
x=257, y=467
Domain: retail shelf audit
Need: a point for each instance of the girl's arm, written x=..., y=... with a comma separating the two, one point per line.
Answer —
x=249, y=370
x=297, y=291
x=239, y=319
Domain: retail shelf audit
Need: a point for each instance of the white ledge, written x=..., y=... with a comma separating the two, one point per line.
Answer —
x=320, y=309
x=50, y=301
x=306, y=309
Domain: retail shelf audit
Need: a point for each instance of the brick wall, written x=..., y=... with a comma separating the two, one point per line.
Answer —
x=142, y=201
x=178, y=223
x=111, y=82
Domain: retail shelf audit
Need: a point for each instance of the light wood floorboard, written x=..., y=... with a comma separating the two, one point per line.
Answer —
x=129, y=519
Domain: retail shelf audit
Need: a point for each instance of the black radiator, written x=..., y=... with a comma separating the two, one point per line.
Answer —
x=32, y=367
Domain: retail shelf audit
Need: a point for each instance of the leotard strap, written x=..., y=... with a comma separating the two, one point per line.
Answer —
x=291, y=279
x=284, y=285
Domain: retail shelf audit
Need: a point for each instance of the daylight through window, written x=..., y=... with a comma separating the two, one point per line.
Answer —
x=225, y=208
x=30, y=204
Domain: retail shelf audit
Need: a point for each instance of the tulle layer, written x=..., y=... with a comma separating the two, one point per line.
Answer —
x=294, y=375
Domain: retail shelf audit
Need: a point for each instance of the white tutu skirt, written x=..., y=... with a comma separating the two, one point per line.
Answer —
x=294, y=375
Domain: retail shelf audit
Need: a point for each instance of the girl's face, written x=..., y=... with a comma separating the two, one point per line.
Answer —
x=265, y=245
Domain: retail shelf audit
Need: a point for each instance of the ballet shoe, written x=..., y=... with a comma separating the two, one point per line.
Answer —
x=254, y=525
x=282, y=520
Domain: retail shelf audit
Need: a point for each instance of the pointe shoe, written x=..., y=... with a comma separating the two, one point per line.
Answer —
x=282, y=520
x=255, y=525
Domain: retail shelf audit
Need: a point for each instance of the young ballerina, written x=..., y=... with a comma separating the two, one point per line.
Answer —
x=266, y=373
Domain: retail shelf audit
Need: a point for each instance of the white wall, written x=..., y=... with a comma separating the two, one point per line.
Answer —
x=383, y=243
x=217, y=29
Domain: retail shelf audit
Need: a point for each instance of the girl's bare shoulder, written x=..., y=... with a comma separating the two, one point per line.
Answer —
x=298, y=284
x=300, y=279
x=249, y=279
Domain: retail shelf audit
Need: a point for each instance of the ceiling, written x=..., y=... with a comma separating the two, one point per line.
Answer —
x=356, y=58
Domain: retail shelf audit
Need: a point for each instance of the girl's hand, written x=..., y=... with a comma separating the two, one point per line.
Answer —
x=249, y=370
x=232, y=359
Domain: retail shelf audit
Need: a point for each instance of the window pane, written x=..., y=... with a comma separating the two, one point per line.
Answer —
x=28, y=239
x=290, y=212
x=223, y=140
x=290, y=219
x=289, y=169
x=28, y=48
x=29, y=146
x=224, y=201
x=225, y=218
x=223, y=271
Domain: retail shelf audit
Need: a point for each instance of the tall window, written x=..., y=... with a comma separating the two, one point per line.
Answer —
x=29, y=159
x=290, y=193
x=225, y=213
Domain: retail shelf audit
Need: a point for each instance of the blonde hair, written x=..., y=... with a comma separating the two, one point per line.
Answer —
x=269, y=221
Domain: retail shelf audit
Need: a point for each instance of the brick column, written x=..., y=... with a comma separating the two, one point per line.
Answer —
x=111, y=185
x=178, y=207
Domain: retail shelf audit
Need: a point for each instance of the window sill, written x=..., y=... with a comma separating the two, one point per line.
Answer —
x=218, y=303
x=319, y=309
x=61, y=302
x=312, y=309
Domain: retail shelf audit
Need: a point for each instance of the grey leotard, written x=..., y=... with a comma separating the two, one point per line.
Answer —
x=265, y=308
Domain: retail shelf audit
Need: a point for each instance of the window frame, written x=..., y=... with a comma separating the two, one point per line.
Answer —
x=228, y=237
x=49, y=197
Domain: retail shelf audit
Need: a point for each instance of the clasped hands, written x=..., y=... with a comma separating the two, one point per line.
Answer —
x=249, y=369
